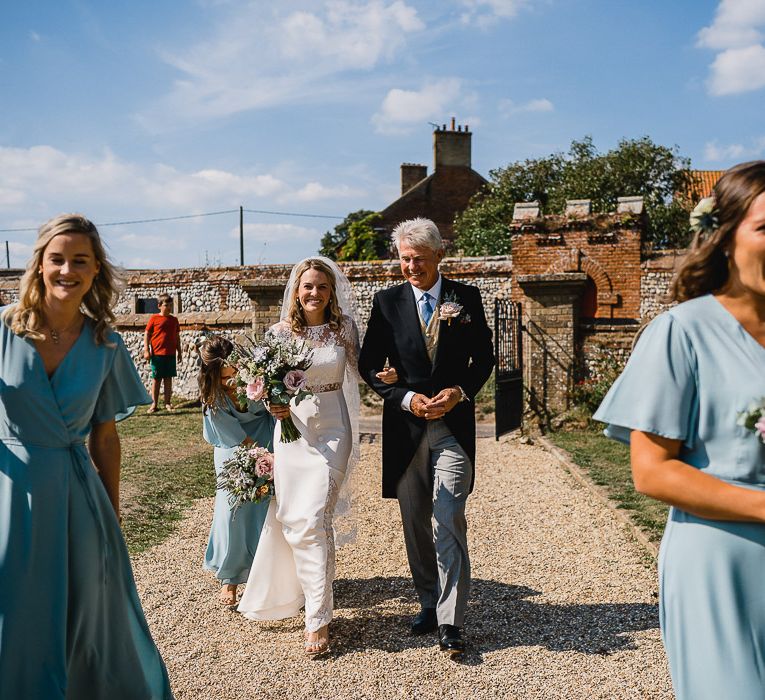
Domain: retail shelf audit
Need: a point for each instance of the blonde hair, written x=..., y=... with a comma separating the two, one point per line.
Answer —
x=705, y=268
x=333, y=313
x=25, y=318
x=213, y=353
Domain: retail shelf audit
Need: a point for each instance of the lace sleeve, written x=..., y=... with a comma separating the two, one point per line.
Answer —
x=281, y=328
x=349, y=335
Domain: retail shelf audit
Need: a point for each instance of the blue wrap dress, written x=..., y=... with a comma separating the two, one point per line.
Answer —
x=692, y=371
x=71, y=623
x=234, y=539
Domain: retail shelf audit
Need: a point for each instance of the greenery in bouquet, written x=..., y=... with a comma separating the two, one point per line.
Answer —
x=247, y=476
x=754, y=418
x=273, y=369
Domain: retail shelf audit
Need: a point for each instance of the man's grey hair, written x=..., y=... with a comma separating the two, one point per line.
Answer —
x=419, y=233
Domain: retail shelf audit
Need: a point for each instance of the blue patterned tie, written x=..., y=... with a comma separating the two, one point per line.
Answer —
x=426, y=311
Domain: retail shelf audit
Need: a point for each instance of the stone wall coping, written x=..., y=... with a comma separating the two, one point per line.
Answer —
x=189, y=320
x=668, y=260
x=556, y=277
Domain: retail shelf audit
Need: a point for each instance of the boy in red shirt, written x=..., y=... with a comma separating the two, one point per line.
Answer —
x=161, y=344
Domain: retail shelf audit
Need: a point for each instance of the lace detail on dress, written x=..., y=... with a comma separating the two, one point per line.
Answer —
x=323, y=615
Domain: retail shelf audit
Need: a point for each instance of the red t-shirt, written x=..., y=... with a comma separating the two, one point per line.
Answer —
x=164, y=334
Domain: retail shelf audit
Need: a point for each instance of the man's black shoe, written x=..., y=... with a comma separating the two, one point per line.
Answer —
x=425, y=621
x=450, y=640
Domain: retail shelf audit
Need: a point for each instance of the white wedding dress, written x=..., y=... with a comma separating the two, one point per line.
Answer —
x=294, y=564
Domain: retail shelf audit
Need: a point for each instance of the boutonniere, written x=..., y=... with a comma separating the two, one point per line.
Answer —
x=450, y=309
x=753, y=418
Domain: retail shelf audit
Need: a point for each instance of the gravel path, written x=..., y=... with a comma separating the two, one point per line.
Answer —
x=564, y=604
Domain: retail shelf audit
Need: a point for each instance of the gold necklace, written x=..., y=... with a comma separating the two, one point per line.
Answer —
x=55, y=335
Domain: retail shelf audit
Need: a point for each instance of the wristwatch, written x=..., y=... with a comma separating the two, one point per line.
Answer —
x=463, y=395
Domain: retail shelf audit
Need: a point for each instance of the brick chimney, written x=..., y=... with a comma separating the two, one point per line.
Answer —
x=411, y=174
x=451, y=146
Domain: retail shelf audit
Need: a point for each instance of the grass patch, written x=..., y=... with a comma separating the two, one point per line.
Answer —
x=608, y=464
x=165, y=466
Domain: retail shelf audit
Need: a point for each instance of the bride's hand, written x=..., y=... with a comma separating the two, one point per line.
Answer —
x=389, y=375
x=279, y=411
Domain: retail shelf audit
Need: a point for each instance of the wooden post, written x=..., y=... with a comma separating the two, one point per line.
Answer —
x=241, y=236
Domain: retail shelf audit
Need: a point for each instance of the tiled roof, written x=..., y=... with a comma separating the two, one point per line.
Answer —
x=705, y=180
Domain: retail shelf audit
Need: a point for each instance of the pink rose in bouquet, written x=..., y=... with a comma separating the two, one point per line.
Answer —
x=256, y=389
x=759, y=428
x=294, y=381
x=264, y=465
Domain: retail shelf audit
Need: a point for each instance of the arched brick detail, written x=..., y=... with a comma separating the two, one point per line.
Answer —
x=598, y=274
x=575, y=260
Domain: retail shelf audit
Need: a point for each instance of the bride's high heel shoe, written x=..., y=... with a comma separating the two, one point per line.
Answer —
x=318, y=646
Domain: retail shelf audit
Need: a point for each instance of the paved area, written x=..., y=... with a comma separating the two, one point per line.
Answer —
x=564, y=603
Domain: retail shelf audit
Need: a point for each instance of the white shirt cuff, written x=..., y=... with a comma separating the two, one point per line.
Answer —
x=406, y=402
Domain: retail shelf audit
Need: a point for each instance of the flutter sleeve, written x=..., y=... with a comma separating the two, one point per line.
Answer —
x=122, y=389
x=656, y=393
x=221, y=428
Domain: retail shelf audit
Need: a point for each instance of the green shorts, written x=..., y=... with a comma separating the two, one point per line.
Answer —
x=162, y=366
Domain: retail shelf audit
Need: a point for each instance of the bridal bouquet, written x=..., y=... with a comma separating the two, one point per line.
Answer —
x=754, y=418
x=248, y=476
x=273, y=369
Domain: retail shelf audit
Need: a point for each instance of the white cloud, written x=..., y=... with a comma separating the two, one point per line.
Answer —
x=315, y=192
x=267, y=233
x=402, y=109
x=738, y=70
x=34, y=36
x=736, y=34
x=41, y=181
x=508, y=108
x=486, y=12
x=263, y=55
x=733, y=152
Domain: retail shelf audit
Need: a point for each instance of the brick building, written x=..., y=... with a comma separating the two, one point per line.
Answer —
x=443, y=194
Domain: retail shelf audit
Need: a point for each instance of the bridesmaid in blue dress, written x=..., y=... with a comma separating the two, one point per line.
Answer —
x=233, y=539
x=71, y=623
x=693, y=370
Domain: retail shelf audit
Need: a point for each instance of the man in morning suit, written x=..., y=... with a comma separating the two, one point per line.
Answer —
x=433, y=331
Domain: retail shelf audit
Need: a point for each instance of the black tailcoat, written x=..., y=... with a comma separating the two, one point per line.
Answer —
x=464, y=357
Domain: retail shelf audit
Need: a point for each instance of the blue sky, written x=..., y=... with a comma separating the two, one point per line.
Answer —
x=162, y=108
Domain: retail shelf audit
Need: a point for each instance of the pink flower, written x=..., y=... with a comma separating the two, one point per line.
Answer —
x=295, y=380
x=255, y=389
x=759, y=427
x=264, y=465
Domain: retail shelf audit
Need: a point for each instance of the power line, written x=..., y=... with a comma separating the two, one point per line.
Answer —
x=189, y=216
x=289, y=213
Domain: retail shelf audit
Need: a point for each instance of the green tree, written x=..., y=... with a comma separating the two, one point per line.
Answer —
x=634, y=167
x=332, y=241
x=365, y=241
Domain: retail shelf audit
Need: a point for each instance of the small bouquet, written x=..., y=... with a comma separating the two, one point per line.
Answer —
x=248, y=476
x=273, y=369
x=753, y=418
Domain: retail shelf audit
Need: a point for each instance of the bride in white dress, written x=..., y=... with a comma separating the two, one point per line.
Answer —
x=294, y=565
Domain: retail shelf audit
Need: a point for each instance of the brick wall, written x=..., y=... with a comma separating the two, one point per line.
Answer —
x=601, y=246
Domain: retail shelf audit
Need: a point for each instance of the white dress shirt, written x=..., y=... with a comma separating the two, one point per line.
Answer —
x=435, y=293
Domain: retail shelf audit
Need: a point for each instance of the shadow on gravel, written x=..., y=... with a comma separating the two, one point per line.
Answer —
x=499, y=616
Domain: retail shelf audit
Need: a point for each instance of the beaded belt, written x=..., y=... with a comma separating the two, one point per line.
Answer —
x=324, y=387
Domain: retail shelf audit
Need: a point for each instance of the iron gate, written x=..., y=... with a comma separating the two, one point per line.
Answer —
x=508, y=374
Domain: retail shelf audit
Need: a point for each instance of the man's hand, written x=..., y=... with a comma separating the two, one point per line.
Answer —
x=419, y=405
x=389, y=375
x=443, y=402
x=146, y=355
